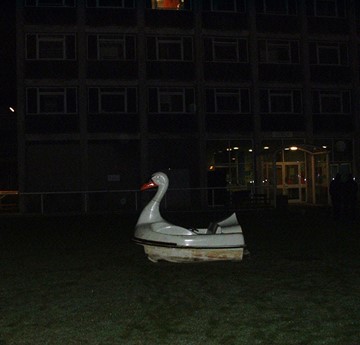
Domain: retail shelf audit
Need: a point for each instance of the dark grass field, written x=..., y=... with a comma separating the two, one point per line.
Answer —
x=80, y=280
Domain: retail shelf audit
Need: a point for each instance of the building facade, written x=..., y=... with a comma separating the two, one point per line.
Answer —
x=259, y=96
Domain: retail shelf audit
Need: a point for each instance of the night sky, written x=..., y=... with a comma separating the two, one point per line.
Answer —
x=7, y=55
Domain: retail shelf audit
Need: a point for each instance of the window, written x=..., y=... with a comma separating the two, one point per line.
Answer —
x=111, y=100
x=110, y=3
x=50, y=47
x=225, y=5
x=220, y=49
x=229, y=162
x=171, y=100
x=50, y=3
x=328, y=53
x=331, y=102
x=169, y=4
x=278, y=51
x=51, y=100
x=277, y=7
x=169, y=48
x=227, y=101
x=326, y=8
x=280, y=101
x=113, y=47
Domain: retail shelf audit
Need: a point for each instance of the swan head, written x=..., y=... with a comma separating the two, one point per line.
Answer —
x=158, y=179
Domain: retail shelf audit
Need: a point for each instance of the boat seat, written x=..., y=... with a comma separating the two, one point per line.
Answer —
x=212, y=228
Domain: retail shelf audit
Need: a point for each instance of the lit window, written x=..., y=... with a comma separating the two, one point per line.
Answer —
x=169, y=4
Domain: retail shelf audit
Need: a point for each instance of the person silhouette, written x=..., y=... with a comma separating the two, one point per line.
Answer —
x=336, y=195
x=350, y=191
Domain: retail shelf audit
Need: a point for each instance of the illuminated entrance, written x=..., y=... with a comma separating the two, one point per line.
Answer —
x=298, y=173
x=290, y=179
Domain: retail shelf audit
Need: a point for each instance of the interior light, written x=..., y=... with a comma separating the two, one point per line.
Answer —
x=266, y=147
x=324, y=147
x=293, y=148
x=235, y=148
x=250, y=150
x=12, y=109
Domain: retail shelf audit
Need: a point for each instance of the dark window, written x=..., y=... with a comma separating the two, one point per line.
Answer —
x=278, y=51
x=115, y=47
x=331, y=102
x=51, y=100
x=50, y=3
x=110, y=3
x=50, y=47
x=328, y=8
x=224, y=5
x=227, y=101
x=171, y=100
x=328, y=53
x=277, y=7
x=107, y=100
x=225, y=49
x=280, y=101
x=169, y=48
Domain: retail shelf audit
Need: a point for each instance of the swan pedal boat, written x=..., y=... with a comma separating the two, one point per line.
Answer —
x=163, y=241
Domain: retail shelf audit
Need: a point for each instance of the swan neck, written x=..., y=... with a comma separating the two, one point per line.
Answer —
x=151, y=212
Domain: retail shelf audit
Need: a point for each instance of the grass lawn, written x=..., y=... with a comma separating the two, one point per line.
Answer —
x=80, y=280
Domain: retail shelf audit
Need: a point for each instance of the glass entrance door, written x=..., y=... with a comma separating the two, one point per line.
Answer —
x=290, y=180
x=293, y=181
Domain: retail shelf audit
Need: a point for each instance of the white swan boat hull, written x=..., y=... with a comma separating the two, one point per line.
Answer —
x=176, y=244
x=165, y=241
x=176, y=254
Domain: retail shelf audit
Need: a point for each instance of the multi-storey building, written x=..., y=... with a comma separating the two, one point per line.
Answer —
x=8, y=139
x=214, y=92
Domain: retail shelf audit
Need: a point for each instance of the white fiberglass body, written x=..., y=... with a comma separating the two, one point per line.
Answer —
x=165, y=241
